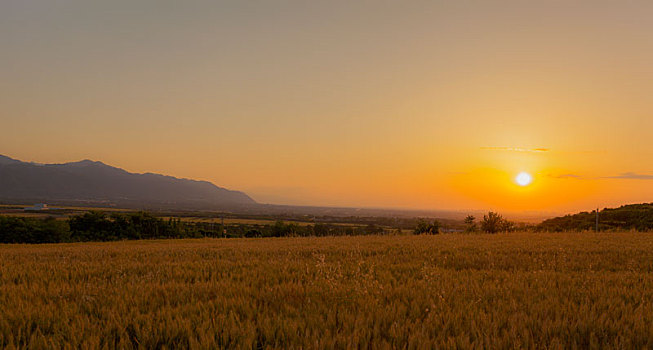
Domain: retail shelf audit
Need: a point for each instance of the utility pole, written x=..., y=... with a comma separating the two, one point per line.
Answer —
x=597, y=219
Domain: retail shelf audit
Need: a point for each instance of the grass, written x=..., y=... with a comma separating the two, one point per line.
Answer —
x=244, y=221
x=234, y=221
x=484, y=291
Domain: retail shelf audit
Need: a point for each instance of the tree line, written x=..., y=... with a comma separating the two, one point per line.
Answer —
x=99, y=226
x=491, y=223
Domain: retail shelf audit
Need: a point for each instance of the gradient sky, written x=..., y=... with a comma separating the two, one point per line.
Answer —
x=414, y=104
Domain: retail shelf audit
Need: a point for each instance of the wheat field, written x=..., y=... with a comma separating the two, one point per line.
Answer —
x=518, y=290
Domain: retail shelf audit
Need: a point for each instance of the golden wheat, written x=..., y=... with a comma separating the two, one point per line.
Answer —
x=452, y=291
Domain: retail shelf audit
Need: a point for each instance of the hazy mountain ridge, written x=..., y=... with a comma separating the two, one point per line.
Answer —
x=95, y=181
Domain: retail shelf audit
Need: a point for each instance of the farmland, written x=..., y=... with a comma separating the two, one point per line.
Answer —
x=506, y=290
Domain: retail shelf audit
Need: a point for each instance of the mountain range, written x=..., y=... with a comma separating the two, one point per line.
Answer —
x=90, y=182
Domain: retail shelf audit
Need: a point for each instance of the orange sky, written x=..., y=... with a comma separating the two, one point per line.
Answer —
x=419, y=104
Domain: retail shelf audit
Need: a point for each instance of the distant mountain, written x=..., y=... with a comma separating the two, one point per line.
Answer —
x=95, y=182
x=628, y=217
x=6, y=160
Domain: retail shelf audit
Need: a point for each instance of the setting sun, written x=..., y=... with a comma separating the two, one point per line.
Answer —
x=524, y=179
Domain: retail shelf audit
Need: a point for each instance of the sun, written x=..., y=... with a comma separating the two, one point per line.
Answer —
x=524, y=179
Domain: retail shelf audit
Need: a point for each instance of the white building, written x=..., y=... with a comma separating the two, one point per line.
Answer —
x=38, y=206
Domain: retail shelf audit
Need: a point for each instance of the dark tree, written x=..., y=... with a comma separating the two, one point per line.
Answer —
x=493, y=223
x=424, y=227
x=471, y=225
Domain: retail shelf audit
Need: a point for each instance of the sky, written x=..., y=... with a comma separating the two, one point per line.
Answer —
x=397, y=104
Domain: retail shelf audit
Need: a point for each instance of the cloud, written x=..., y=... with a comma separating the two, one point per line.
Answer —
x=566, y=176
x=631, y=176
x=516, y=149
x=622, y=176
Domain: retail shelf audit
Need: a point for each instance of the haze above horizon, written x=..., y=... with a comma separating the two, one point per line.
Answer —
x=504, y=105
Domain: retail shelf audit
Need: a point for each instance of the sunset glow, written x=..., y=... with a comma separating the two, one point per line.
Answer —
x=437, y=106
x=326, y=174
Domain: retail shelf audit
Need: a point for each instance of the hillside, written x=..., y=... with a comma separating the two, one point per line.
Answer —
x=95, y=182
x=628, y=217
